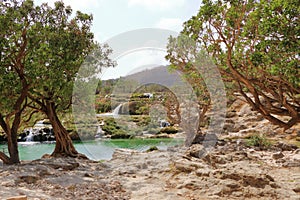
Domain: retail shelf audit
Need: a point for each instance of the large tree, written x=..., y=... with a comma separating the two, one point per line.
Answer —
x=61, y=45
x=55, y=44
x=255, y=44
x=13, y=84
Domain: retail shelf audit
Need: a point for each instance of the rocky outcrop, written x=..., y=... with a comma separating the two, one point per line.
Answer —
x=62, y=179
x=17, y=198
x=231, y=170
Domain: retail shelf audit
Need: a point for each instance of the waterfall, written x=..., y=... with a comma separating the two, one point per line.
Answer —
x=116, y=110
x=29, y=137
x=114, y=113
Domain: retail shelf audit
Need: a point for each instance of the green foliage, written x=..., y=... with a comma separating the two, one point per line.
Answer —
x=169, y=130
x=42, y=48
x=102, y=105
x=258, y=141
x=141, y=120
x=255, y=45
x=110, y=126
x=115, y=130
x=121, y=135
x=54, y=43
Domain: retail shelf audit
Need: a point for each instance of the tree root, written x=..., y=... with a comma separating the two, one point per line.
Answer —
x=5, y=158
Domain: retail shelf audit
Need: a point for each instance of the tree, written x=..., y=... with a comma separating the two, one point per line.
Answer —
x=13, y=84
x=60, y=45
x=255, y=44
x=53, y=45
x=198, y=70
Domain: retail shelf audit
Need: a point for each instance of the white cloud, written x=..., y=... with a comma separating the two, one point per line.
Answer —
x=75, y=4
x=135, y=62
x=174, y=24
x=157, y=4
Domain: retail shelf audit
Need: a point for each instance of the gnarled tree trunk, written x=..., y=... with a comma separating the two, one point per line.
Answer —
x=13, y=148
x=12, y=143
x=64, y=145
x=11, y=131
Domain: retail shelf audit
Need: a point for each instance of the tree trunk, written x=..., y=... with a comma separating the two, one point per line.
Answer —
x=13, y=148
x=12, y=144
x=64, y=146
x=12, y=134
x=4, y=158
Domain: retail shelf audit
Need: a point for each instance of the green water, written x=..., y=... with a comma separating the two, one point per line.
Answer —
x=96, y=149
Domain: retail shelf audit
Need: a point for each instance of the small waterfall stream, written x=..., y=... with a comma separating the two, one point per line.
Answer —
x=29, y=137
x=114, y=113
x=116, y=110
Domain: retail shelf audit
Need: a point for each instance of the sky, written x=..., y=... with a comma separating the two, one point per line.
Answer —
x=115, y=17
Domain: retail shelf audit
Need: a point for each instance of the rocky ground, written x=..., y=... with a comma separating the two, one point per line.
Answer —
x=231, y=170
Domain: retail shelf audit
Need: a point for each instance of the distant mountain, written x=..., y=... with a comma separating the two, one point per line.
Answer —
x=157, y=75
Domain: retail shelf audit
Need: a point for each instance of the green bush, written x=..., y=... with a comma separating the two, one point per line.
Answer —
x=258, y=141
x=121, y=135
x=169, y=130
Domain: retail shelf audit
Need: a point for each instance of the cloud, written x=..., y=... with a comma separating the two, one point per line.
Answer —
x=135, y=62
x=160, y=5
x=75, y=4
x=174, y=24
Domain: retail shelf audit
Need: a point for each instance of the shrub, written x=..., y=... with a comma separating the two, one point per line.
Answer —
x=121, y=135
x=258, y=141
x=169, y=130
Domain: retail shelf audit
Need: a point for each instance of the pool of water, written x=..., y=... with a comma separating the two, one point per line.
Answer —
x=96, y=149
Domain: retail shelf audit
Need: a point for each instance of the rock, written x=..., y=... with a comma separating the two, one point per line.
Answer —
x=17, y=198
x=196, y=150
x=203, y=172
x=277, y=156
x=230, y=114
x=239, y=127
x=189, y=184
x=152, y=148
x=199, y=138
x=297, y=189
x=291, y=164
x=230, y=127
x=59, y=163
x=30, y=178
x=244, y=111
x=185, y=166
x=285, y=147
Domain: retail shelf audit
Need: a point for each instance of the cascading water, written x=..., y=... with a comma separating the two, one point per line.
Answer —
x=117, y=110
x=29, y=137
x=114, y=113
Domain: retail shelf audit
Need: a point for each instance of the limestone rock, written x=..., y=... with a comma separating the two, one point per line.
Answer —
x=297, y=189
x=196, y=150
x=203, y=172
x=17, y=198
x=278, y=155
x=29, y=178
x=285, y=147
